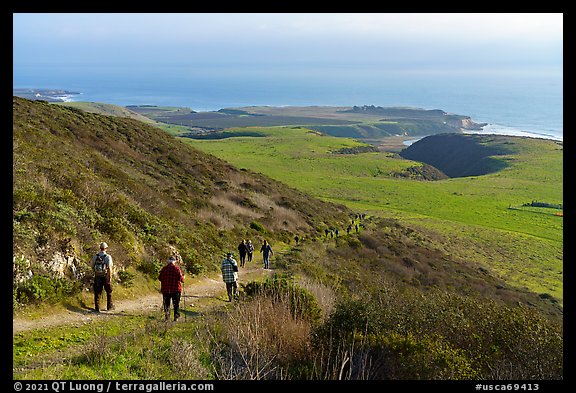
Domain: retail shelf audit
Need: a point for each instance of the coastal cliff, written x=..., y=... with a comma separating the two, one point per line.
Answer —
x=468, y=124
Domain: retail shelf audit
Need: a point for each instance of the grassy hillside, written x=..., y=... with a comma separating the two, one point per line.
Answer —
x=82, y=178
x=354, y=122
x=469, y=216
x=107, y=109
x=384, y=302
x=380, y=305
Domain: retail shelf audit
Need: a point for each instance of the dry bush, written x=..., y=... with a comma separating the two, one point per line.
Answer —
x=341, y=360
x=263, y=201
x=220, y=221
x=232, y=207
x=185, y=360
x=98, y=350
x=241, y=180
x=263, y=341
x=286, y=219
x=325, y=296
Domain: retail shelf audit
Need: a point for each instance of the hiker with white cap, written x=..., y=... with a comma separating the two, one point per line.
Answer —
x=171, y=279
x=229, y=270
x=102, y=266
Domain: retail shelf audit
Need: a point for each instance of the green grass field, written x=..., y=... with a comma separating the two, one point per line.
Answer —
x=469, y=217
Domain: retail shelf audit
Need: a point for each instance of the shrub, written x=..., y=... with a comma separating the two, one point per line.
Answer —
x=126, y=278
x=438, y=335
x=258, y=227
x=354, y=243
x=260, y=339
x=41, y=288
x=282, y=289
x=190, y=257
x=411, y=357
x=195, y=268
x=150, y=266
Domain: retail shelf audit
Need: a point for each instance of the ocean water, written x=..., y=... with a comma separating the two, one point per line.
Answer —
x=511, y=102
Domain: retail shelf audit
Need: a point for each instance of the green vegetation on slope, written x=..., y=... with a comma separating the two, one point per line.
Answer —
x=82, y=178
x=378, y=305
x=106, y=109
x=387, y=302
x=470, y=215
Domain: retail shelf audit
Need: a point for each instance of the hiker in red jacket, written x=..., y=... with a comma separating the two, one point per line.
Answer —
x=171, y=279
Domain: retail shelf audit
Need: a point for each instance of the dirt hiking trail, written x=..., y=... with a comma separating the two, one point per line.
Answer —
x=199, y=291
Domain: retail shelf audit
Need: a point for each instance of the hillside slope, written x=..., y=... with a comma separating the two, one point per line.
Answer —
x=458, y=155
x=108, y=110
x=383, y=295
x=81, y=178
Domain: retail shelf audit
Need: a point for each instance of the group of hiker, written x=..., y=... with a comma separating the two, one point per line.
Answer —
x=229, y=267
x=172, y=279
x=354, y=225
x=171, y=276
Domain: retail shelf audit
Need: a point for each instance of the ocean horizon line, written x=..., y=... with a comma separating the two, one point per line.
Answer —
x=492, y=127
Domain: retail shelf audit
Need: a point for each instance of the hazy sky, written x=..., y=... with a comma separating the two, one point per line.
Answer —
x=411, y=40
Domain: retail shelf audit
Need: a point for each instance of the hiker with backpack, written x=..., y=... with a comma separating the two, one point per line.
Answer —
x=229, y=270
x=171, y=279
x=102, y=266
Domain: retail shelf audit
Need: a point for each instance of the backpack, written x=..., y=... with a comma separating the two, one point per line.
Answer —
x=100, y=266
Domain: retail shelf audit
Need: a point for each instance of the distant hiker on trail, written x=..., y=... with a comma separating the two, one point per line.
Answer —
x=349, y=229
x=326, y=232
x=337, y=232
x=249, y=250
x=229, y=270
x=171, y=279
x=102, y=266
x=243, y=250
x=297, y=239
x=266, y=251
x=357, y=228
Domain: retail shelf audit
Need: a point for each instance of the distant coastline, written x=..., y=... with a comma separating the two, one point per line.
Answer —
x=62, y=95
x=49, y=95
x=504, y=130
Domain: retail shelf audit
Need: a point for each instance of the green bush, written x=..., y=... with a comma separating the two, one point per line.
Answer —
x=150, y=267
x=126, y=278
x=41, y=288
x=302, y=303
x=438, y=335
x=411, y=357
x=354, y=243
x=258, y=227
x=190, y=258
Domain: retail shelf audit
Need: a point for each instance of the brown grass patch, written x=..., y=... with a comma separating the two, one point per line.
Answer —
x=263, y=340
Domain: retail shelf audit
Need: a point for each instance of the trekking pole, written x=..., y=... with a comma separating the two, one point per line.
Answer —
x=184, y=302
